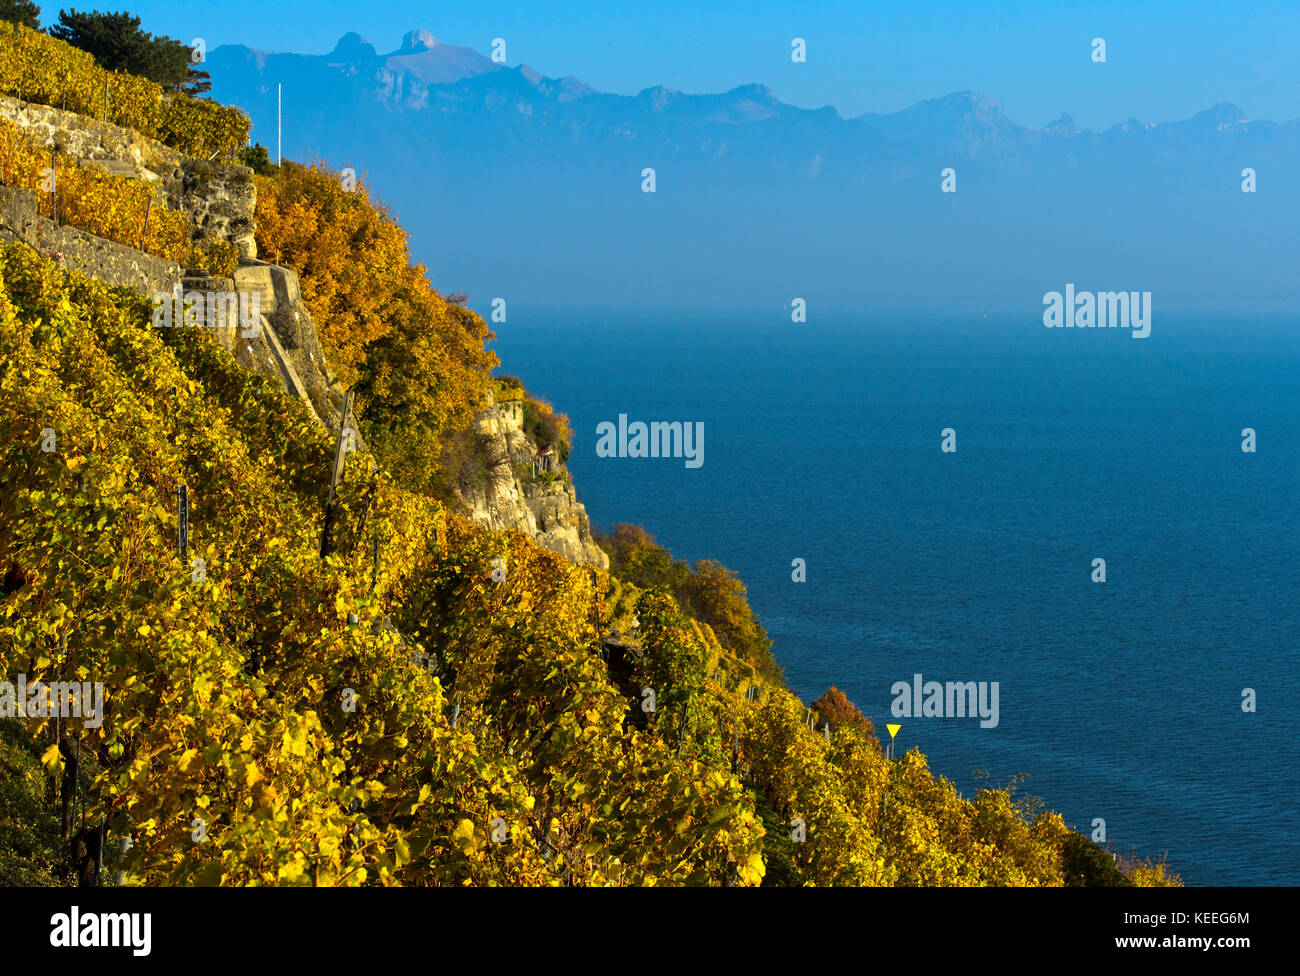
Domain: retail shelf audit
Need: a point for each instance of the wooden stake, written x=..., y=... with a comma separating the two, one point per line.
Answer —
x=183, y=519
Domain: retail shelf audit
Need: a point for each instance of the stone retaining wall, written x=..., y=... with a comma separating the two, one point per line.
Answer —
x=110, y=262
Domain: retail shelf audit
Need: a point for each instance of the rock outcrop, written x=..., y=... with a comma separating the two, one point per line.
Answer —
x=562, y=524
x=292, y=342
x=545, y=508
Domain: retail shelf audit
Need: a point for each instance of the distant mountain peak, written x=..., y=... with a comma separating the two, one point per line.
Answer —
x=422, y=56
x=1063, y=126
x=352, y=47
x=1221, y=115
x=967, y=100
x=964, y=120
x=416, y=41
x=954, y=105
x=659, y=96
x=1129, y=125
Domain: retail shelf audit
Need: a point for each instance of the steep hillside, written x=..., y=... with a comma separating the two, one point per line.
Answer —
x=398, y=694
x=286, y=708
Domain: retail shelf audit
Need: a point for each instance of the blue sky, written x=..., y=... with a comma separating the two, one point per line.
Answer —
x=1164, y=60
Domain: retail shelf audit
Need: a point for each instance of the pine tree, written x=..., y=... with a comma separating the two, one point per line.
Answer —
x=119, y=44
x=21, y=12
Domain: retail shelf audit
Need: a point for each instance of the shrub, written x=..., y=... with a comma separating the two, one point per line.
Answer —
x=546, y=427
x=258, y=160
x=506, y=389
x=1087, y=865
x=834, y=707
x=716, y=596
x=636, y=558
x=709, y=592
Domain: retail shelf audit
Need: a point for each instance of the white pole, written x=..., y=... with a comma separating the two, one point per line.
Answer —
x=278, y=123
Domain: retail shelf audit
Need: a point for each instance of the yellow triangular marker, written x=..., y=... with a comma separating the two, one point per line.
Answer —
x=893, y=730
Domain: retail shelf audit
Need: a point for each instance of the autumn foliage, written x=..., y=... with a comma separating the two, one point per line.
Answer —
x=709, y=591
x=419, y=363
x=834, y=707
x=415, y=718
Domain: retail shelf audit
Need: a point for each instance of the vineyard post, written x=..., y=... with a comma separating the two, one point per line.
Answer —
x=148, y=206
x=80, y=794
x=67, y=792
x=183, y=519
x=54, y=185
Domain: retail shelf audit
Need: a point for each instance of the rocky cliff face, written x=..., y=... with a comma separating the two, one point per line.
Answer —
x=285, y=347
x=506, y=497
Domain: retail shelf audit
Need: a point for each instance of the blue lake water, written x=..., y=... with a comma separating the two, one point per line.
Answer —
x=1121, y=700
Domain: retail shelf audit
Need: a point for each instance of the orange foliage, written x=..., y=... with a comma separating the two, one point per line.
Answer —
x=418, y=363
x=350, y=255
x=835, y=707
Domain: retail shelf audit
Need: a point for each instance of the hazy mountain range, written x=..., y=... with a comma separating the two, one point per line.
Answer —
x=530, y=188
